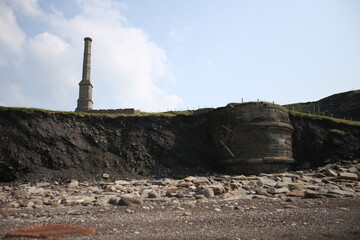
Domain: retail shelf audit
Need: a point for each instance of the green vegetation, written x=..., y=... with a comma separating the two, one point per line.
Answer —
x=30, y=110
x=338, y=103
x=168, y=114
x=337, y=131
x=173, y=113
x=337, y=120
x=261, y=102
x=142, y=114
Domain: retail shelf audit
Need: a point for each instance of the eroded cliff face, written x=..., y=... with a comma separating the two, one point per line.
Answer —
x=320, y=141
x=41, y=145
x=37, y=145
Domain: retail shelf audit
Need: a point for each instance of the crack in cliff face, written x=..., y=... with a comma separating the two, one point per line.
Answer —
x=37, y=145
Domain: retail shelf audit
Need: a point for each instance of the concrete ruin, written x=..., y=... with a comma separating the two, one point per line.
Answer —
x=252, y=138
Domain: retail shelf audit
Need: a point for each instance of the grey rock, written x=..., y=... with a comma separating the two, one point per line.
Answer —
x=281, y=190
x=295, y=186
x=122, y=182
x=200, y=180
x=330, y=173
x=131, y=202
x=22, y=193
x=42, y=184
x=114, y=201
x=348, y=176
x=73, y=184
x=268, y=182
x=259, y=197
x=341, y=192
x=313, y=194
x=217, y=189
x=207, y=192
x=55, y=205
x=180, y=195
x=73, y=200
x=5, y=205
x=154, y=194
x=200, y=197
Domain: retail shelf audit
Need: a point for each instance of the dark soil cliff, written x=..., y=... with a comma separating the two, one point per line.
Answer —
x=39, y=145
x=42, y=145
x=317, y=140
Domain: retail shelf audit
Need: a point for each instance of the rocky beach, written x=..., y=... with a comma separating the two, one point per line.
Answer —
x=323, y=203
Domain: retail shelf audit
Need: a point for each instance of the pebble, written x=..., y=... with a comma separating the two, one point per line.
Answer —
x=187, y=213
x=73, y=184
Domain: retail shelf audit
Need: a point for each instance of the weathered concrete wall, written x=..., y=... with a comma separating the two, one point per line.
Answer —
x=253, y=138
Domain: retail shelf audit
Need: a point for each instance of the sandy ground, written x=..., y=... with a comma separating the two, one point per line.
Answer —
x=236, y=219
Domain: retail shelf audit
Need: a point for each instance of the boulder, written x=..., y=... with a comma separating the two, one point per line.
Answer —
x=207, y=192
x=131, y=202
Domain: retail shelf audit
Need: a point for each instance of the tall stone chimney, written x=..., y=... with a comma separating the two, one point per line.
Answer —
x=85, y=102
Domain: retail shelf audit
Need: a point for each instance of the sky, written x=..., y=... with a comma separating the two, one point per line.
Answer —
x=164, y=55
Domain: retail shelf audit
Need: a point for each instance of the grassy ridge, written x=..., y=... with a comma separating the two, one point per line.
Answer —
x=142, y=114
x=173, y=113
x=337, y=120
x=339, y=105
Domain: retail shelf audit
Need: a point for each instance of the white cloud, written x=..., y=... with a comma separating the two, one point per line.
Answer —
x=126, y=65
x=11, y=37
x=27, y=7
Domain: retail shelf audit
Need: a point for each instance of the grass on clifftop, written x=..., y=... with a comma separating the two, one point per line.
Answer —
x=142, y=114
x=2, y=108
x=261, y=102
x=337, y=120
x=173, y=113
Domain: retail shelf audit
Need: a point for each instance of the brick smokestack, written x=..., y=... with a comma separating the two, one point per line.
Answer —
x=85, y=102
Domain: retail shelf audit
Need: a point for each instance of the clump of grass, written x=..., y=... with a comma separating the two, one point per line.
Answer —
x=337, y=131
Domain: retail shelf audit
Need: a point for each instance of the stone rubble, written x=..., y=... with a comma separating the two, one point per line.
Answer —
x=331, y=181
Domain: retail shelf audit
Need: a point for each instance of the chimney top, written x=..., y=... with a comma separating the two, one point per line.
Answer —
x=87, y=38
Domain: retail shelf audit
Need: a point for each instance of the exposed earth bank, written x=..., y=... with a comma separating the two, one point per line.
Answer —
x=40, y=145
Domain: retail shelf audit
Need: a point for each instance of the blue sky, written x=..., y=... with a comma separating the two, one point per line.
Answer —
x=159, y=55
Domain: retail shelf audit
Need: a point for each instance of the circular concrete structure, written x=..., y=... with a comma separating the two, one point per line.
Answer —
x=252, y=138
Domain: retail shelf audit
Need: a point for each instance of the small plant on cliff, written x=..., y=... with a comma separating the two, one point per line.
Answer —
x=337, y=131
